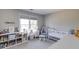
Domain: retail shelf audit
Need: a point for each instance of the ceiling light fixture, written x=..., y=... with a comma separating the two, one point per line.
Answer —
x=31, y=9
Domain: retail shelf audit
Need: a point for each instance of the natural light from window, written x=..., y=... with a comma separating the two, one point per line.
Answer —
x=26, y=25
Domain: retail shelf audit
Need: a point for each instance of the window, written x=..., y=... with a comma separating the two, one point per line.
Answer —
x=33, y=24
x=27, y=24
x=24, y=25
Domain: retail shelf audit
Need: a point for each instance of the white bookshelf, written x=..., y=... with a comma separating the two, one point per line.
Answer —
x=5, y=42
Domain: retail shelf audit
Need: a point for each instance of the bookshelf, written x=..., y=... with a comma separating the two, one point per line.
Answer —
x=16, y=39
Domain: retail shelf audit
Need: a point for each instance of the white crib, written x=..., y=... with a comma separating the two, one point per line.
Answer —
x=55, y=34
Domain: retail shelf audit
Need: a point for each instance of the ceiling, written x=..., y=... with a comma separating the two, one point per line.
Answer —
x=42, y=11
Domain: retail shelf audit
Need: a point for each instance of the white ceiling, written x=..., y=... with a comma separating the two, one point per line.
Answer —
x=42, y=11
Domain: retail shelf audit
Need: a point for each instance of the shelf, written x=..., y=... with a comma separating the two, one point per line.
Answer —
x=17, y=37
x=9, y=34
x=14, y=45
x=6, y=41
x=3, y=41
x=10, y=40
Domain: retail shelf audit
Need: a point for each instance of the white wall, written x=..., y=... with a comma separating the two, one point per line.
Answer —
x=64, y=20
x=14, y=16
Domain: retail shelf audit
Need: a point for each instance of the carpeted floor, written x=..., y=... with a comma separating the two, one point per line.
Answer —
x=34, y=44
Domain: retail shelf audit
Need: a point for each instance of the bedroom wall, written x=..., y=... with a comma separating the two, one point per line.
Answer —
x=64, y=20
x=14, y=16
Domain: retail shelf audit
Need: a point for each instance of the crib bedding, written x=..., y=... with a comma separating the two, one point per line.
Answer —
x=58, y=35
